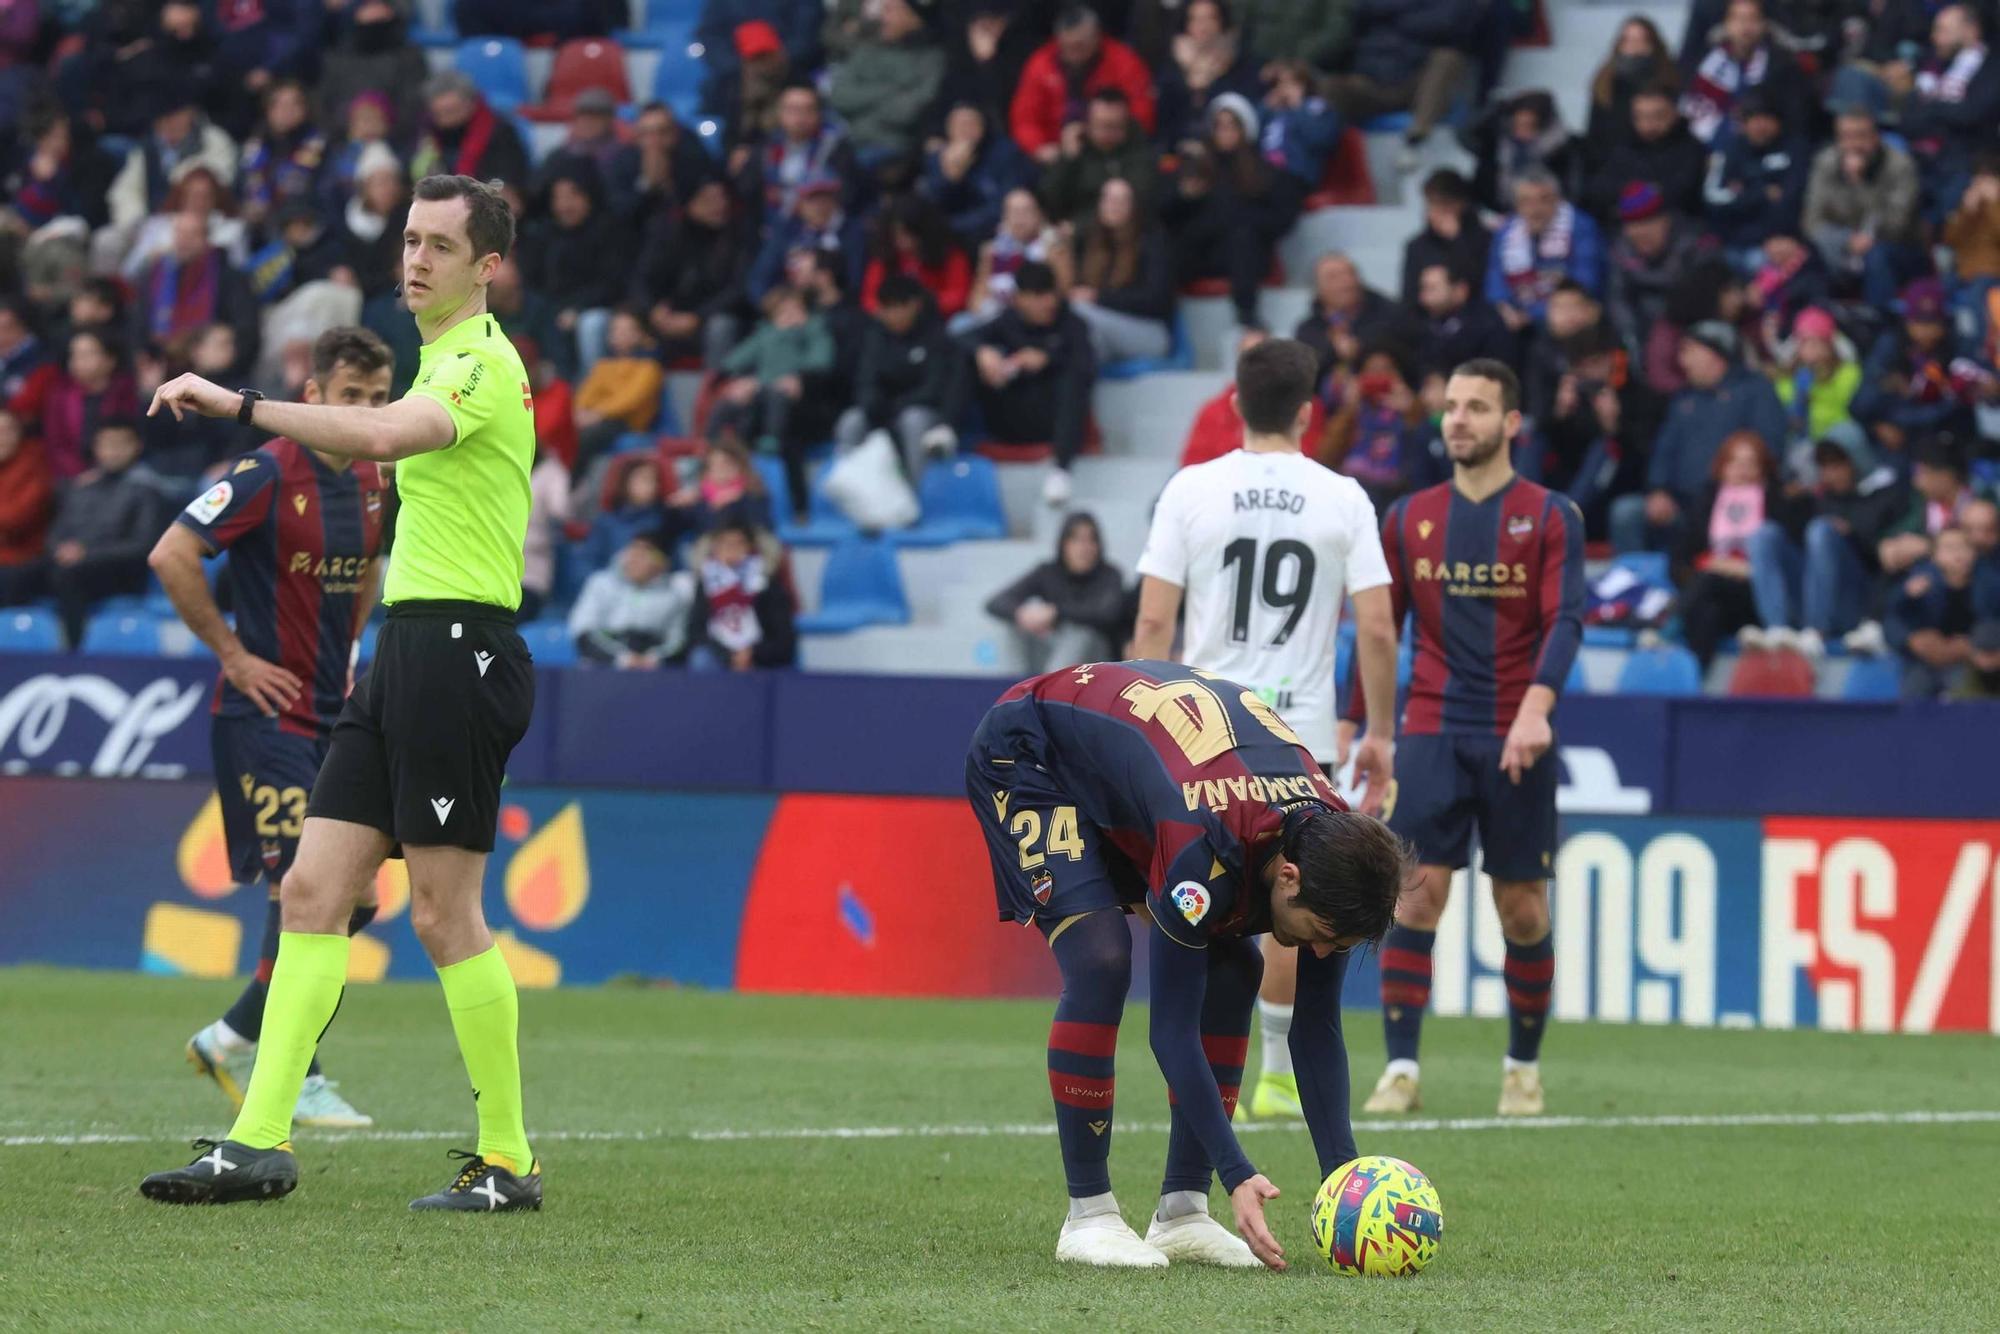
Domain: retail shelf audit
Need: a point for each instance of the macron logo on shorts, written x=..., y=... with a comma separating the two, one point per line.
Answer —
x=443, y=805
x=484, y=660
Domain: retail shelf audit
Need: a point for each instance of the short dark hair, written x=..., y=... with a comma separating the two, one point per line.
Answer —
x=1445, y=186
x=1072, y=17
x=1112, y=97
x=899, y=289
x=1455, y=270
x=489, y=223
x=349, y=345
x=1487, y=368
x=1035, y=278
x=1352, y=870
x=1273, y=381
x=117, y=422
x=1941, y=452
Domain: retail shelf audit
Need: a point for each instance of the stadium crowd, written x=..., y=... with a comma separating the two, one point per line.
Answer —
x=1753, y=300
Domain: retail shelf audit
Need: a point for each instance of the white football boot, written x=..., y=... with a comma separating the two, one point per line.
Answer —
x=1396, y=1093
x=1108, y=1241
x=1198, y=1239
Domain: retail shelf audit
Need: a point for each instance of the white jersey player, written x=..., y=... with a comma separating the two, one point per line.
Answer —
x=1265, y=545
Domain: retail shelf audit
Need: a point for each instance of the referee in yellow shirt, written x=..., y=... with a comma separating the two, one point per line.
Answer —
x=418, y=754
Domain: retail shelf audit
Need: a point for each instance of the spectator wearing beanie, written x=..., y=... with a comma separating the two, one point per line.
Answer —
x=972, y=172
x=1106, y=145
x=1070, y=609
x=736, y=33
x=1743, y=56
x=1227, y=211
x=1077, y=62
x=1032, y=373
x=371, y=219
x=1916, y=382
x=750, y=99
x=1654, y=251
x=1817, y=378
x=466, y=137
x=1453, y=234
x=1659, y=149
x=885, y=86
x=1546, y=241
x=1721, y=398
x=904, y=381
x=1407, y=57
x=1756, y=183
x=592, y=140
x=1861, y=209
x=1205, y=60
x=27, y=499
x=743, y=618
x=367, y=121
x=1522, y=132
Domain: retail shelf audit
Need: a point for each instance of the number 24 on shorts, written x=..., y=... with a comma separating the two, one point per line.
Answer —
x=1064, y=836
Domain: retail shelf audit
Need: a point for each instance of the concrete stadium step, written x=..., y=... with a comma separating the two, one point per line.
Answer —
x=1366, y=229
x=1150, y=416
x=1211, y=321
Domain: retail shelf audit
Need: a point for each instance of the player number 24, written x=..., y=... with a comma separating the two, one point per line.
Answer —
x=1026, y=826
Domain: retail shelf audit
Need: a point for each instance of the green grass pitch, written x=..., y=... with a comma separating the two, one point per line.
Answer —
x=652, y=1223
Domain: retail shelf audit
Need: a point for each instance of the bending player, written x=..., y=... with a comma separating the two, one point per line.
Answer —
x=302, y=529
x=1116, y=787
x=1492, y=567
x=1266, y=543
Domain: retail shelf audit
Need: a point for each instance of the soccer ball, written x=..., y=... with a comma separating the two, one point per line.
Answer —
x=1377, y=1216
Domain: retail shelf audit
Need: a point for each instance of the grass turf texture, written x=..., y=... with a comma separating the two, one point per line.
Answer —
x=1807, y=1227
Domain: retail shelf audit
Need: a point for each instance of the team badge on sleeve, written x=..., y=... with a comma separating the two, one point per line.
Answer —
x=205, y=507
x=1191, y=898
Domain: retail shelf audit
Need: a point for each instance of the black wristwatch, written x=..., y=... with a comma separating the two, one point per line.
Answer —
x=250, y=400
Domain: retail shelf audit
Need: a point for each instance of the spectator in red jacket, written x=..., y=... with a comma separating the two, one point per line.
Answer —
x=1060, y=78
x=912, y=237
x=1218, y=430
x=26, y=493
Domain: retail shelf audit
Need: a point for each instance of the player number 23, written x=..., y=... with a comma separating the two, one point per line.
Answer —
x=1026, y=826
x=269, y=800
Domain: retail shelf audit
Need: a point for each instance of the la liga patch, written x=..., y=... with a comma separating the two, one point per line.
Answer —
x=1191, y=899
x=204, y=507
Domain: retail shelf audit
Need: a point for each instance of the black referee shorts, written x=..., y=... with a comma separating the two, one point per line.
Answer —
x=421, y=748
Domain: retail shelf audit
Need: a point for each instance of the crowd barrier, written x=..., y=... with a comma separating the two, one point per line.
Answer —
x=1722, y=863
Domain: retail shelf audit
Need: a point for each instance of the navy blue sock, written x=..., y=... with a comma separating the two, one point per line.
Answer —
x=1094, y=953
x=246, y=1016
x=1530, y=971
x=1406, y=988
x=1235, y=971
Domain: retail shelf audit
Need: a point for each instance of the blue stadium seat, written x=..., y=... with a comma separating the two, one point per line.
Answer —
x=669, y=420
x=1648, y=566
x=1668, y=670
x=1180, y=357
x=549, y=641
x=133, y=633
x=499, y=67
x=30, y=630
x=1873, y=679
x=825, y=525
x=772, y=470
x=633, y=442
x=960, y=498
x=1609, y=636
x=862, y=586
x=678, y=75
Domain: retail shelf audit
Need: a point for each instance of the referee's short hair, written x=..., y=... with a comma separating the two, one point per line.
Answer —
x=1488, y=368
x=1274, y=380
x=489, y=223
x=349, y=345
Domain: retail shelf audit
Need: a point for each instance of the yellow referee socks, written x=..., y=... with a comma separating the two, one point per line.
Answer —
x=486, y=1016
x=306, y=983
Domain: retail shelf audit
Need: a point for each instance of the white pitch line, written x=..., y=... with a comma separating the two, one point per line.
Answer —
x=1042, y=1130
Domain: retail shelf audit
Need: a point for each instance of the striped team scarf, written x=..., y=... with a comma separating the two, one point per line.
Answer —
x=1533, y=265
x=1716, y=83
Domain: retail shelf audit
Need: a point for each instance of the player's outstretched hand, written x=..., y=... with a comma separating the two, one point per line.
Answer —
x=1375, y=770
x=264, y=683
x=1527, y=740
x=190, y=393
x=1248, y=1200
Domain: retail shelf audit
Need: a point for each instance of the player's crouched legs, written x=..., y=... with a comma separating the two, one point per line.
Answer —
x=1094, y=952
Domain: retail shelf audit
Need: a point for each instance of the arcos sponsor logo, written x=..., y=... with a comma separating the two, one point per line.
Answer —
x=35, y=715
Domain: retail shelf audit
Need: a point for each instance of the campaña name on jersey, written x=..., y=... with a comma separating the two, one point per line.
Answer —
x=1217, y=793
x=1277, y=499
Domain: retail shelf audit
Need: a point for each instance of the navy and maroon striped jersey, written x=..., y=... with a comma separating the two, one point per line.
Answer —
x=302, y=540
x=1496, y=589
x=1188, y=775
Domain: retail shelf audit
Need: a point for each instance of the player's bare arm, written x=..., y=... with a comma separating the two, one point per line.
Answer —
x=1375, y=650
x=1530, y=736
x=407, y=427
x=176, y=559
x=1159, y=608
